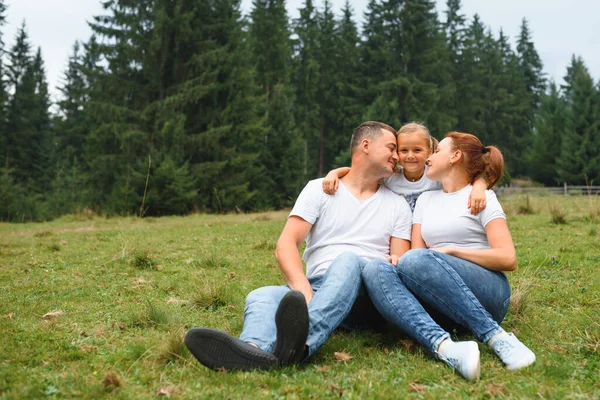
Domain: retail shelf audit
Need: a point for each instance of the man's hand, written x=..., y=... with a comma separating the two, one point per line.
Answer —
x=308, y=294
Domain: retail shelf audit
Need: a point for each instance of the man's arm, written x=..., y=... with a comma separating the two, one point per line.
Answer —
x=290, y=264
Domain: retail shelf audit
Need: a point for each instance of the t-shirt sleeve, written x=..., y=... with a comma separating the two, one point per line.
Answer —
x=308, y=204
x=403, y=225
x=492, y=210
x=417, y=217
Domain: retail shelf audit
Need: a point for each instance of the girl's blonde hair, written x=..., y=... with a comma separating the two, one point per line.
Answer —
x=418, y=128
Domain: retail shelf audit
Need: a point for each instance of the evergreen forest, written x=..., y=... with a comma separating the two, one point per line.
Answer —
x=179, y=106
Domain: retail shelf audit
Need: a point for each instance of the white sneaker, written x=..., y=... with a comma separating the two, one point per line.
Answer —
x=511, y=351
x=461, y=356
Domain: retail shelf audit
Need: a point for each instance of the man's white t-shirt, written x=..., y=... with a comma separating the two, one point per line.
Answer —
x=446, y=221
x=343, y=223
x=398, y=184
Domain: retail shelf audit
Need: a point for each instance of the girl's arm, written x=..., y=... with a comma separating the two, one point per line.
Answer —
x=331, y=181
x=397, y=248
x=501, y=257
x=417, y=241
x=477, y=198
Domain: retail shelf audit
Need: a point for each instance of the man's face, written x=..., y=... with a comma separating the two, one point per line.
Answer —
x=383, y=153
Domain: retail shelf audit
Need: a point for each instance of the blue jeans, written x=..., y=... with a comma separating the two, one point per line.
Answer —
x=335, y=293
x=467, y=293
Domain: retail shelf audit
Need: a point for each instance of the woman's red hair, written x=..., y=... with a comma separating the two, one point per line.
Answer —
x=478, y=159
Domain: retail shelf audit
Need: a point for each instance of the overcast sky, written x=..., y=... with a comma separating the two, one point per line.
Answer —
x=560, y=28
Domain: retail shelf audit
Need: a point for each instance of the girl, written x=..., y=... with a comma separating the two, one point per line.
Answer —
x=415, y=144
x=456, y=265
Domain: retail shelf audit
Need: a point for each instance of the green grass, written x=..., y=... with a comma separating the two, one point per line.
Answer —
x=130, y=288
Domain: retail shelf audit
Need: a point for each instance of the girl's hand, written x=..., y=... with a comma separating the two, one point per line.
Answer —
x=393, y=259
x=331, y=183
x=477, y=199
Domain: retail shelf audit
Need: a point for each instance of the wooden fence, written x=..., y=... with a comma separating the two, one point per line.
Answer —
x=565, y=190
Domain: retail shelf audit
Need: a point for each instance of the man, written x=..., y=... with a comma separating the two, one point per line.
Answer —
x=284, y=325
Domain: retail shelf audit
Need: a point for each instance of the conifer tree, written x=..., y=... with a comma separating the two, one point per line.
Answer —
x=471, y=86
x=425, y=58
x=548, y=130
x=306, y=80
x=349, y=109
x=280, y=152
x=531, y=67
x=578, y=161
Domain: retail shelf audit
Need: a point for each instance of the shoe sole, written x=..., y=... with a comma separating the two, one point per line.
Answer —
x=474, y=366
x=522, y=364
x=219, y=350
x=292, y=324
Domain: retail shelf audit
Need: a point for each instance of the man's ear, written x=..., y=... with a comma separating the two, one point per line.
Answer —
x=365, y=145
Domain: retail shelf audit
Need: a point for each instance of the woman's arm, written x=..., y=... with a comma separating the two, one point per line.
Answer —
x=331, y=181
x=417, y=241
x=501, y=257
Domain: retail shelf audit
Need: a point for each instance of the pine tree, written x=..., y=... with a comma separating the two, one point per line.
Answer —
x=455, y=30
x=280, y=152
x=549, y=128
x=383, y=68
x=71, y=129
x=471, y=86
x=306, y=80
x=6, y=182
x=531, y=67
x=578, y=161
x=349, y=109
x=425, y=58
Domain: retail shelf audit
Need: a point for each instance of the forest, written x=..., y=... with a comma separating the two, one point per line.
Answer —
x=180, y=106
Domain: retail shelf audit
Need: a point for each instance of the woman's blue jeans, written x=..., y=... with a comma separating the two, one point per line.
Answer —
x=335, y=293
x=467, y=293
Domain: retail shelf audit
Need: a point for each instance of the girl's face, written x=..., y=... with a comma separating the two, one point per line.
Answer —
x=413, y=150
x=439, y=162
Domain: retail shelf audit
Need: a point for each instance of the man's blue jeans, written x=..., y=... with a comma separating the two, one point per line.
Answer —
x=467, y=293
x=335, y=293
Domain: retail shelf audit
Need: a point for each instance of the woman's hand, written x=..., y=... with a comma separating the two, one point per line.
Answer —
x=445, y=250
x=393, y=259
x=331, y=183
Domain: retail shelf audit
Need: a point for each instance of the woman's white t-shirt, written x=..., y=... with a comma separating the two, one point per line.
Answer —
x=446, y=221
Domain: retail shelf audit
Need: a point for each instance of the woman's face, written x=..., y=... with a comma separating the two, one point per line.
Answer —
x=439, y=162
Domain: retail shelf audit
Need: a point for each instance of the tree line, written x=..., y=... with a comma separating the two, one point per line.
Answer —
x=174, y=106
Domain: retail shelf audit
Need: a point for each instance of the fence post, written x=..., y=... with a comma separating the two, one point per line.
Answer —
x=565, y=189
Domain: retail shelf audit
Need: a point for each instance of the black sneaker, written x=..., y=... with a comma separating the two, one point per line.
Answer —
x=219, y=350
x=292, y=328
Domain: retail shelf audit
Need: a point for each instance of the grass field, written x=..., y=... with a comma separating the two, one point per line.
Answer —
x=93, y=307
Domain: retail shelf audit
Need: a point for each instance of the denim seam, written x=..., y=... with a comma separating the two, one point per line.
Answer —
x=467, y=292
x=332, y=327
x=434, y=343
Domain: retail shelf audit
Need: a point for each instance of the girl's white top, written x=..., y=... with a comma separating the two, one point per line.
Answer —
x=446, y=221
x=398, y=184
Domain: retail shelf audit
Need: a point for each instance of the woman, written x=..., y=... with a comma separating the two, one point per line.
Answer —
x=456, y=265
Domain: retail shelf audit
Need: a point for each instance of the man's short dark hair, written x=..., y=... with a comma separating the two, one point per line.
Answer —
x=368, y=130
